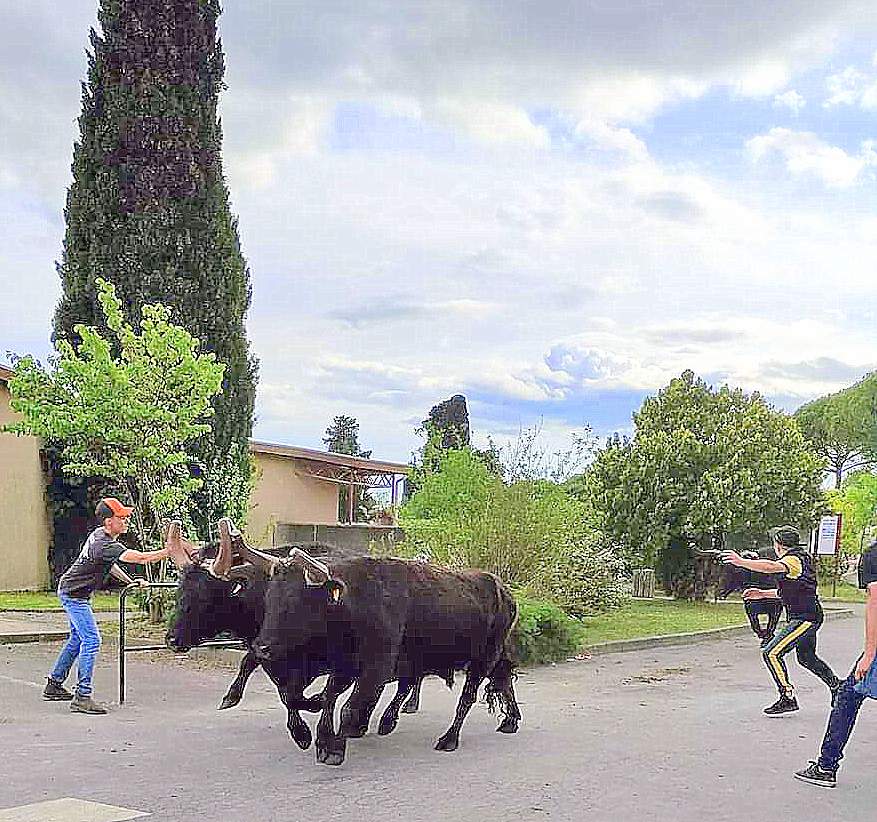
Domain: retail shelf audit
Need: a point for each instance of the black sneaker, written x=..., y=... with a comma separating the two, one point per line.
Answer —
x=784, y=705
x=86, y=705
x=55, y=691
x=817, y=776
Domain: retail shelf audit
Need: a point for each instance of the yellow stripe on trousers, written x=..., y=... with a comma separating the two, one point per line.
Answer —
x=773, y=656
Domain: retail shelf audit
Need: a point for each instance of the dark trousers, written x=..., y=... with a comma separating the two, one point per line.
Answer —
x=799, y=634
x=772, y=609
x=840, y=723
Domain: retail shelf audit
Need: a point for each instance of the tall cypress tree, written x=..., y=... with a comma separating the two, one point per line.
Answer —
x=148, y=207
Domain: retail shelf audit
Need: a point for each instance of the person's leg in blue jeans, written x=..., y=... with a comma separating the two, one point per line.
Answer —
x=84, y=642
x=840, y=724
x=67, y=656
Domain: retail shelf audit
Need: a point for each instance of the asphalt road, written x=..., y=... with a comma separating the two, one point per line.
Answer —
x=671, y=734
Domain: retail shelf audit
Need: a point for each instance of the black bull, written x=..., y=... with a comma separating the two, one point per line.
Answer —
x=388, y=619
x=208, y=606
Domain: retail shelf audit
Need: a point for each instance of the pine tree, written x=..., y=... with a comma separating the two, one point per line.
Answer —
x=449, y=420
x=342, y=437
x=148, y=207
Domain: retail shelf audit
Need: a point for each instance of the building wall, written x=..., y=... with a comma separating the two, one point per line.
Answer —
x=25, y=528
x=358, y=539
x=282, y=494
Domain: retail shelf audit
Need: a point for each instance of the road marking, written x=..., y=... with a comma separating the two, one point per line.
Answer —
x=69, y=810
x=21, y=682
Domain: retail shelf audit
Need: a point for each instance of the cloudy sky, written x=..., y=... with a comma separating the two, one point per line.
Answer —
x=551, y=207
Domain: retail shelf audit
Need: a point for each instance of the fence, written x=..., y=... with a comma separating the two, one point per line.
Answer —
x=644, y=583
x=127, y=649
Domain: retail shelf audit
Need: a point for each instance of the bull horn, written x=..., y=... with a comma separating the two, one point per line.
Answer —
x=261, y=560
x=223, y=562
x=180, y=550
x=316, y=573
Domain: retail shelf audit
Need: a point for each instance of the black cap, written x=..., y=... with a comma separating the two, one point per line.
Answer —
x=786, y=535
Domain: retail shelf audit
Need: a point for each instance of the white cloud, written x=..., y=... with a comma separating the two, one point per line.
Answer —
x=852, y=87
x=491, y=122
x=764, y=78
x=613, y=138
x=805, y=154
x=791, y=100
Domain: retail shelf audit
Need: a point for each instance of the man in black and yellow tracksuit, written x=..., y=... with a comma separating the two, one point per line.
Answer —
x=797, y=590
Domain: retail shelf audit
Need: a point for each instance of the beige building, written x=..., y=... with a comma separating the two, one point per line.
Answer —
x=301, y=486
x=294, y=487
x=25, y=528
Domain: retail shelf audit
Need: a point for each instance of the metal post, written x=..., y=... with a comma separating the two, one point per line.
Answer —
x=122, y=598
x=125, y=649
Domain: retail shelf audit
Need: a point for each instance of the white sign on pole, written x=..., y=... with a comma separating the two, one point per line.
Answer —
x=828, y=535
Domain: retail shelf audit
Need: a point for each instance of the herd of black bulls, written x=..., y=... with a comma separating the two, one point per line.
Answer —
x=362, y=621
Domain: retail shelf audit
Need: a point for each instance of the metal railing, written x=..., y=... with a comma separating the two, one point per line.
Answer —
x=127, y=649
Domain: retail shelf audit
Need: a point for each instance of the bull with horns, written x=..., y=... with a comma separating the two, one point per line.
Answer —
x=383, y=619
x=220, y=594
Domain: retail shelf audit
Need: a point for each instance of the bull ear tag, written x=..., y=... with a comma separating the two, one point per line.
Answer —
x=335, y=590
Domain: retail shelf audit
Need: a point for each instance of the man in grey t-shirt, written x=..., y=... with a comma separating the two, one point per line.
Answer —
x=97, y=561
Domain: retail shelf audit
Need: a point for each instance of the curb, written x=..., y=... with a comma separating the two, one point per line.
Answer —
x=230, y=656
x=666, y=640
x=37, y=636
x=233, y=656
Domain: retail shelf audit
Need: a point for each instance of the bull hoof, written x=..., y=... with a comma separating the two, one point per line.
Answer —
x=301, y=735
x=410, y=708
x=350, y=729
x=508, y=726
x=331, y=751
x=448, y=742
x=229, y=701
x=387, y=725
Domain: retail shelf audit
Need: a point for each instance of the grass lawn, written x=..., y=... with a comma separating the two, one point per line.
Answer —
x=644, y=618
x=48, y=601
x=845, y=592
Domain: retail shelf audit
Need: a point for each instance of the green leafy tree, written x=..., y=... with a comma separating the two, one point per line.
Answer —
x=447, y=428
x=857, y=501
x=128, y=418
x=532, y=534
x=342, y=437
x=704, y=468
x=843, y=427
x=148, y=209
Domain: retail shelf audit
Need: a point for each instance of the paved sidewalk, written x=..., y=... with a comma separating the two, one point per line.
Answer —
x=40, y=626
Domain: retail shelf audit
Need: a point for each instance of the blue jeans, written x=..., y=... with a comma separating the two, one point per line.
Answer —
x=840, y=723
x=84, y=643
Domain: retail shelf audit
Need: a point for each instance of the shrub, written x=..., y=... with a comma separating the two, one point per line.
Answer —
x=544, y=633
x=533, y=535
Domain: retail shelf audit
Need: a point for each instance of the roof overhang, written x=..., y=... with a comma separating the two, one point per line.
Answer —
x=347, y=468
x=6, y=374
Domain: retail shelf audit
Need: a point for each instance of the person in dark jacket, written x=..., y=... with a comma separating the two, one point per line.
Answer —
x=97, y=561
x=797, y=590
x=852, y=694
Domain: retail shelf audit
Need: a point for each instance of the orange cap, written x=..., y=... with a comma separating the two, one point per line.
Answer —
x=110, y=506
